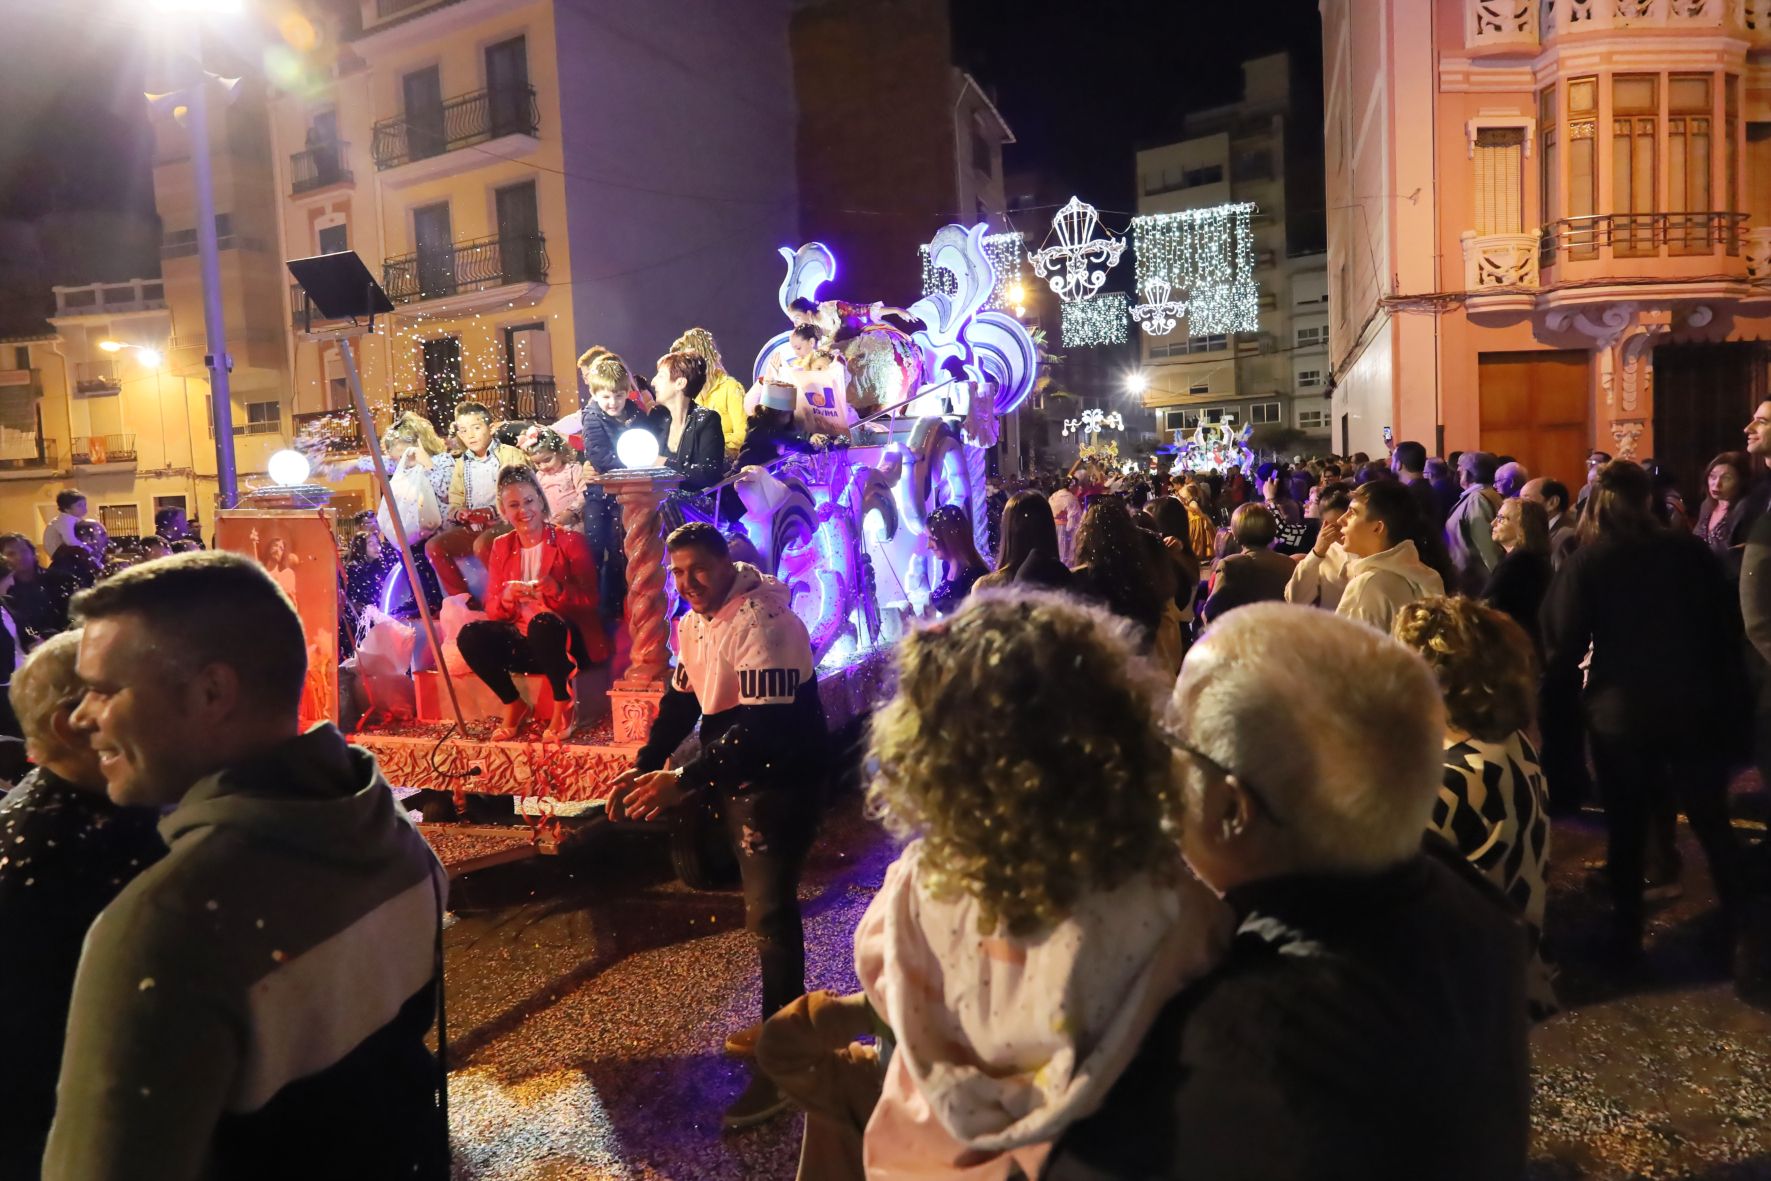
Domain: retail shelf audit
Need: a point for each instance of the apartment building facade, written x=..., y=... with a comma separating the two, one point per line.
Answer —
x=528, y=179
x=1549, y=226
x=1271, y=378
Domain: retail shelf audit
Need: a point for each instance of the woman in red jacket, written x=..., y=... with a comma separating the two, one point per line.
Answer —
x=542, y=599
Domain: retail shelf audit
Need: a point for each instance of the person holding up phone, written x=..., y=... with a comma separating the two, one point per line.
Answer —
x=541, y=595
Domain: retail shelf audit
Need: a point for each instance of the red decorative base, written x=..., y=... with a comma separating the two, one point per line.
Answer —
x=572, y=771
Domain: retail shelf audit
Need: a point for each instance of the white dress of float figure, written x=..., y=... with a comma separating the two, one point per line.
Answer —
x=340, y=288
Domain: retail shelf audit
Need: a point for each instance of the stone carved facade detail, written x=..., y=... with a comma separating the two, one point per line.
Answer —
x=1626, y=434
x=1758, y=241
x=1499, y=260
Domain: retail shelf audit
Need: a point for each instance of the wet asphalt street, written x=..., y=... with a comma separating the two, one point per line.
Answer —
x=589, y=995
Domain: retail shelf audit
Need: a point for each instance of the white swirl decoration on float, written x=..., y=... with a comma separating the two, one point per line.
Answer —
x=808, y=268
x=1006, y=355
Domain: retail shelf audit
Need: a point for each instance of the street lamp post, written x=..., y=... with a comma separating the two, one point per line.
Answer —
x=195, y=98
x=216, y=357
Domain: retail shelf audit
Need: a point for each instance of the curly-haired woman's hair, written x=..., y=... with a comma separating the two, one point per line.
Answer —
x=700, y=342
x=603, y=370
x=1483, y=660
x=688, y=368
x=415, y=430
x=1025, y=801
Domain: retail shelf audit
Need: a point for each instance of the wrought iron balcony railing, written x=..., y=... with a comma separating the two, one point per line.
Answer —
x=1641, y=235
x=525, y=399
x=466, y=266
x=336, y=432
x=318, y=166
x=46, y=457
x=95, y=449
x=97, y=377
x=460, y=122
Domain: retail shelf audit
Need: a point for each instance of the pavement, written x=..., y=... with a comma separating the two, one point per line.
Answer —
x=589, y=995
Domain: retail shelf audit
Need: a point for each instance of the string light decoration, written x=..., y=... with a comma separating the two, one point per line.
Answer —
x=1097, y=321
x=1094, y=420
x=1159, y=313
x=1209, y=255
x=1005, y=254
x=1070, y=267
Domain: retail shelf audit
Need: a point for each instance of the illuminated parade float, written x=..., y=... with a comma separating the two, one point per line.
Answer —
x=905, y=423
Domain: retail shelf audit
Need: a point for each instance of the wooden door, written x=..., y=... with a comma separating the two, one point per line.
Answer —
x=1534, y=408
x=423, y=92
x=1704, y=394
x=442, y=379
x=431, y=234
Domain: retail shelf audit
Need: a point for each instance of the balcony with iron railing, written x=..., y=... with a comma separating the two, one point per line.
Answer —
x=466, y=267
x=1607, y=244
x=1506, y=27
x=523, y=399
x=461, y=122
x=334, y=432
x=319, y=166
x=92, y=450
x=45, y=457
x=97, y=377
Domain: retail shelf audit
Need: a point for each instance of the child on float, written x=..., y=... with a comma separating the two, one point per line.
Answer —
x=1041, y=914
x=558, y=472
x=614, y=407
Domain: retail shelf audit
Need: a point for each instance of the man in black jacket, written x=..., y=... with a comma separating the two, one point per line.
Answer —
x=745, y=671
x=1369, y=1020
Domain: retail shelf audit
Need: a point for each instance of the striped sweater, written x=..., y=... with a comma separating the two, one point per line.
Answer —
x=255, y=1005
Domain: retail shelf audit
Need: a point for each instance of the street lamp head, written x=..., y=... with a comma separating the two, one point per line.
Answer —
x=112, y=346
x=1136, y=384
x=149, y=357
x=199, y=7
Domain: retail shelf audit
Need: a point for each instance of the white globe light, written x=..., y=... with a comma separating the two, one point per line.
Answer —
x=1136, y=384
x=288, y=468
x=637, y=448
x=149, y=357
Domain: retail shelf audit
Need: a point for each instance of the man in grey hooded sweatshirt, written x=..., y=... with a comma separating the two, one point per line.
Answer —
x=255, y=1005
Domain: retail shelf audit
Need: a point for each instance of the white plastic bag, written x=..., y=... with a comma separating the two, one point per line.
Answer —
x=415, y=500
x=454, y=616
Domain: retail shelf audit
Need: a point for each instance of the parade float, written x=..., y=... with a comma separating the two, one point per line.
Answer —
x=844, y=527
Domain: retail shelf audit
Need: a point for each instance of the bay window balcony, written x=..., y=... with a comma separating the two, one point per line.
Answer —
x=1503, y=27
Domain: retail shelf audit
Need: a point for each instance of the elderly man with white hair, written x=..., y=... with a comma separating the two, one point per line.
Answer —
x=68, y=852
x=1370, y=1019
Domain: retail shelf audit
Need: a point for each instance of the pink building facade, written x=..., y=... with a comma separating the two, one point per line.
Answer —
x=1549, y=226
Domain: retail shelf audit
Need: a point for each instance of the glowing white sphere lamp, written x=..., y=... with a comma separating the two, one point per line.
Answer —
x=637, y=448
x=288, y=468
x=149, y=357
x=1136, y=384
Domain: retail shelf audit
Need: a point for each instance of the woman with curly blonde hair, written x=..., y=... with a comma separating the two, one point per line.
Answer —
x=1041, y=913
x=1492, y=804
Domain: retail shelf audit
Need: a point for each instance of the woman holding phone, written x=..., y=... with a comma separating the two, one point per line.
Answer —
x=541, y=596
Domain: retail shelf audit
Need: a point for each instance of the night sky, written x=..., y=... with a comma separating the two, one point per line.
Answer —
x=1083, y=83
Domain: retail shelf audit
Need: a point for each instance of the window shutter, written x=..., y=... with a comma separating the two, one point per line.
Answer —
x=1499, y=158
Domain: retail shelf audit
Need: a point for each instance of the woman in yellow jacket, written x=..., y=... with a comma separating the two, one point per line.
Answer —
x=722, y=394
